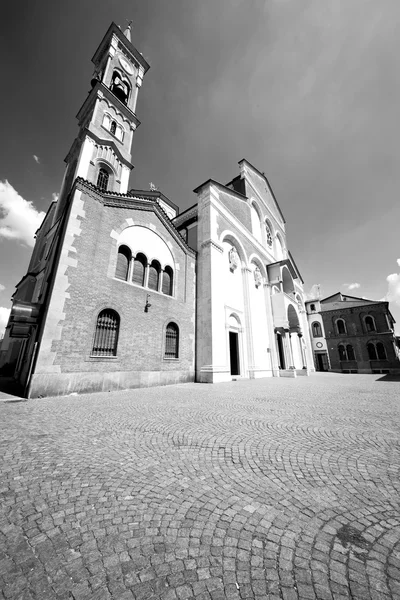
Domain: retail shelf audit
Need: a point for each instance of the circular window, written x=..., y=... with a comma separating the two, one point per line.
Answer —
x=319, y=344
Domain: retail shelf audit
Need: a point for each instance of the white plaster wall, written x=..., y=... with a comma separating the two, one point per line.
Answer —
x=260, y=333
x=143, y=239
x=312, y=318
x=256, y=224
x=85, y=158
x=232, y=288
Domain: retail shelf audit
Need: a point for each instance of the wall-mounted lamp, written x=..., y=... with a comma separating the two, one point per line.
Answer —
x=147, y=305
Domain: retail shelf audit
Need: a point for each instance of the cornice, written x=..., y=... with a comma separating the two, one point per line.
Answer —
x=213, y=244
x=188, y=214
x=117, y=200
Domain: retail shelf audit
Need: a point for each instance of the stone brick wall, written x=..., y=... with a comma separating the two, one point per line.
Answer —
x=86, y=285
x=358, y=337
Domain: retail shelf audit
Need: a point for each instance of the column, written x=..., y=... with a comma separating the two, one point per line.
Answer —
x=247, y=316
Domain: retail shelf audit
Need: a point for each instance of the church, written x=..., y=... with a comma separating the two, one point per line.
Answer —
x=124, y=291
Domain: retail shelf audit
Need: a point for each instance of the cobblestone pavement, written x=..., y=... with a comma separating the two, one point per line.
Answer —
x=265, y=489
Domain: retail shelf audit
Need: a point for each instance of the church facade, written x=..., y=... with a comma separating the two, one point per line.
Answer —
x=123, y=291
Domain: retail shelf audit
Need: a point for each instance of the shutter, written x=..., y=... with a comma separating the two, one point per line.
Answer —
x=121, y=271
x=153, y=278
x=381, y=351
x=138, y=271
x=166, y=283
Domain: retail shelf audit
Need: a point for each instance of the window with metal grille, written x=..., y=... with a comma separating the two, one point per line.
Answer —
x=316, y=330
x=172, y=341
x=370, y=323
x=381, y=351
x=154, y=275
x=167, y=281
x=123, y=259
x=139, y=269
x=341, y=326
x=102, y=180
x=350, y=352
x=106, y=336
x=371, y=351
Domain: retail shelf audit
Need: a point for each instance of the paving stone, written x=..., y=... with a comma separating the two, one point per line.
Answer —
x=262, y=489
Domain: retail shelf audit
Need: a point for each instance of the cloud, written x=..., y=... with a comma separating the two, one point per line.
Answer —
x=19, y=219
x=352, y=286
x=393, y=293
x=314, y=293
x=398, y=261
x=4, y=314
x=2, y=287
x=36, y=159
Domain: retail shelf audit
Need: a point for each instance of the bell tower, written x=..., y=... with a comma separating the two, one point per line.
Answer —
x=101, y=153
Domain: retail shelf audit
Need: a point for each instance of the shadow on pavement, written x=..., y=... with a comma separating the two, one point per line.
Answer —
x=389, y=378
x=10, y=389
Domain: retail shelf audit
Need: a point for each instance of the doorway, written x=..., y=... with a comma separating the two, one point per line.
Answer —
x=282, y=362
x=322, y=361
x=234, y=352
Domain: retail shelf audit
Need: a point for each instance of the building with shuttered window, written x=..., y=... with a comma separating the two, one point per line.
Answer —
x=123, y=291
x=353, y=335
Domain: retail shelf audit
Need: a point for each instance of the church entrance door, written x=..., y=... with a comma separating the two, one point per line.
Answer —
x=234, y=352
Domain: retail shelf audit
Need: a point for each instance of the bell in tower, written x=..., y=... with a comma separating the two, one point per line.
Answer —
x=120, y=87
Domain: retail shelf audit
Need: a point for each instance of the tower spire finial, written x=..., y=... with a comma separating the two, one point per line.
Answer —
x=127, y=32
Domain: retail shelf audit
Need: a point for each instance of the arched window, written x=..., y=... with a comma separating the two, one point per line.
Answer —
x=279, y=248
x=120, y=87
x=123, y=259
x=370, y=323
x=342, y=352
x=154, y=275
x=316, y=329
x=139, y=269
x=113, y=127
x=106, y=335
x=268, y=234
x=171, y=341
x=256, y=222
x=167, y=281
x=371, y=351
x=102, y=179
x=350, y=352
x=381, y=351
x=341, y=326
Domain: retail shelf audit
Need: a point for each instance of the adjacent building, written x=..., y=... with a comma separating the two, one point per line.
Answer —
x=353, y=335
x=123, y=291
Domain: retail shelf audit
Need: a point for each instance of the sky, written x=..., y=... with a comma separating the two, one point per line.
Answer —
x=308, y=91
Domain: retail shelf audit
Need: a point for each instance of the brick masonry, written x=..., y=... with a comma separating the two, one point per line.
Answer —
x=85, y=285
x=359, y=337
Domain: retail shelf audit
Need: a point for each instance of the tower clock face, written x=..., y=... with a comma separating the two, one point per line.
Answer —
x=127, y=67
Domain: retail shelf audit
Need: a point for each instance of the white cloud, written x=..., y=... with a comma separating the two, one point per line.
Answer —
x=352, y=286
x=393, y=293
x=314, y=293
x=36, y=159
x=398, y=261
x=2, y=287
x=19, y=219
x=4, y=314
